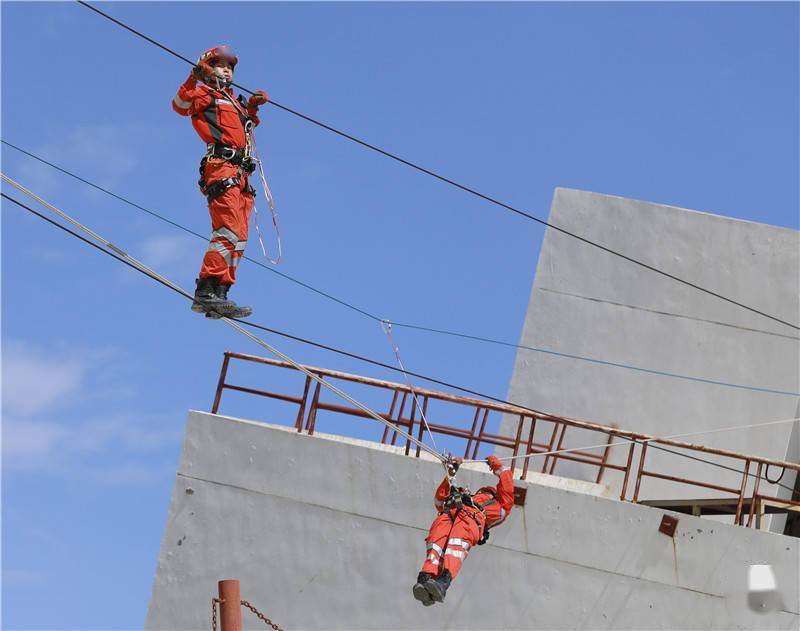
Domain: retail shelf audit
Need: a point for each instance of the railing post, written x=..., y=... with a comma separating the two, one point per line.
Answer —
x=516, y=444
x=528, y=450
x=738, y=519
x=480, y=434
x=312, y=411
x=230, y=607
x=552, y=442
x=605, y=458
x=754, y=500
x=472, y=430
x=399, y=420
x=302, y=411
x=221, y=383
x=558, y=447
x=389, y=417
x=627, y=473
x=421, y=421
x=639, y=473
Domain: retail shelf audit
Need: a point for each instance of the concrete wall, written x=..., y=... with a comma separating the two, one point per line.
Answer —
x=587, y=302
x=325, y=534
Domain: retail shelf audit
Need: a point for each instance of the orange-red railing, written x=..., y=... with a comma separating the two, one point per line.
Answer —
x=402, y=413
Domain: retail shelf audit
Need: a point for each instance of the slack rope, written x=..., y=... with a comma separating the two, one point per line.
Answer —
x=387, y=329
x=165, y=281
x=252, y=147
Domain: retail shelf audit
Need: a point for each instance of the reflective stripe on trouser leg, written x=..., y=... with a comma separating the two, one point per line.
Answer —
x=436, y=542
x=463, y=535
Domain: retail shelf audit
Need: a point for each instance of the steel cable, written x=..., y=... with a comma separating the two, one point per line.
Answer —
x=121, y=258
x=451, y=182
x=141, y=267
x=415, y=327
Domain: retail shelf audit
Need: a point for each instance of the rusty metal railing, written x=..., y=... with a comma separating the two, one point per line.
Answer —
x=550, y=429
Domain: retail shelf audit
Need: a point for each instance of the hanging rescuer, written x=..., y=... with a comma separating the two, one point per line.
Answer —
x=464, y=521
x=225, y=123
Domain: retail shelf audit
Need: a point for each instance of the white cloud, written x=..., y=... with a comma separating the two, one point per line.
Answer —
x=83, y=448
x=41, y=390
x=161, y=250
x=34, y=381
x=103, y=152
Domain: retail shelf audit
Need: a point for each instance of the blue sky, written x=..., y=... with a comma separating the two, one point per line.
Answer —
x=690, y=104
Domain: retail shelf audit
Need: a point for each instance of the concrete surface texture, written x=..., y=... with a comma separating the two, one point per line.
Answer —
x=587, y=302
x=328, y=534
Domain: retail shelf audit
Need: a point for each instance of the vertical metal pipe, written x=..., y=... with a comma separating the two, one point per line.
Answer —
x=754, y=501
x=560, y=443
x=312, y=411
x=627, y=473
x=421, y=422
x=528, y=450
x=480, y=433
x=230, y=608
x=399, y=416
x=550, y=445
x=472, y=430
x=605, y=458
x=517, y=441
x=742, y=489
x=302, y=411
x=391, y=413
x=639, y=473
x=221, y=383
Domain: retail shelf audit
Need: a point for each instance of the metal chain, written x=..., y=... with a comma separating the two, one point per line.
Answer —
x=261, y=616
x=214, y=602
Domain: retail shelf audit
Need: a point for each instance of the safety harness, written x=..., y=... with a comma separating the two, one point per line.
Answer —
x=239, y=157
x=460, y=497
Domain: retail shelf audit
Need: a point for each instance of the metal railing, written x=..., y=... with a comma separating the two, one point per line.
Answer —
x=535, y=433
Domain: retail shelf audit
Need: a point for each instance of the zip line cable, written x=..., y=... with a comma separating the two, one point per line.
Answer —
x=167, y=283
x=136, y=264
x=451, y=182
x=415, y=327
x=386, y=327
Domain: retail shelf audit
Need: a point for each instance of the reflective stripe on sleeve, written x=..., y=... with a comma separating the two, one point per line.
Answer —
x=179, y=102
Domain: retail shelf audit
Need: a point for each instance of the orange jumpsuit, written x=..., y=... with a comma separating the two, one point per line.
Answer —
x=455, y=531
x=218, y=118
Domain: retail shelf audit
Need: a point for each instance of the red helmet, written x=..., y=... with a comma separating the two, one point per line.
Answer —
x=219, y=52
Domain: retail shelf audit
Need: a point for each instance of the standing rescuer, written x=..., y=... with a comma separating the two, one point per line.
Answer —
x=225, y=123
x=464, y=521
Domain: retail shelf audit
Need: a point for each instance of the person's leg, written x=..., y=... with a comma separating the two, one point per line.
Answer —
x=463, y=535
x=435, y=545
x=230, y=212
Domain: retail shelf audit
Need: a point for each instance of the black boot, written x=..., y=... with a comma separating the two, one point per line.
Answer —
x=419, y=591
x=206, y=299
x=438, y=588
x=234, y=311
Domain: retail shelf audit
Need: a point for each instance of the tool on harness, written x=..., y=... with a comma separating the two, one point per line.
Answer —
x=237, y=157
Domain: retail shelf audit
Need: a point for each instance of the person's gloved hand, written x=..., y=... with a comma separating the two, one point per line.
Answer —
x=494, y=463
x=203, y=71
x=453, y=465
x=257, y=99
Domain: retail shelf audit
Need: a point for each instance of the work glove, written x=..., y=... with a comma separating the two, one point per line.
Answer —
x=203, y=71
x=257, y=99
x=452, y=466
x=494, y=463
